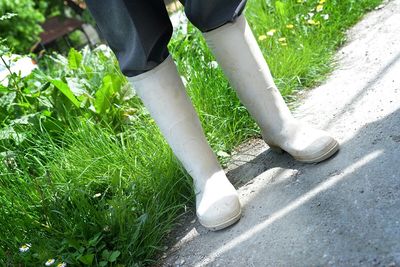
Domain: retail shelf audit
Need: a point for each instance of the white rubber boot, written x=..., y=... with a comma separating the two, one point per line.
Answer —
x=237, y=52
x=164, y=95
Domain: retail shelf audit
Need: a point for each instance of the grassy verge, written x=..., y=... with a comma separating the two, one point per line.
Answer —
x=99, y=197
x=97, y=194
x=312, y=30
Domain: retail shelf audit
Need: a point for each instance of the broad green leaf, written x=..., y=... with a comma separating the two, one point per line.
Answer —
x=46, y=113
x=8, y=99
x=87, y=259
x=110, y=85
x=24, y=120
x=106, y=254
x=63, y=87
x=127, y=92
x=72, y=243
x=45, y=102
x=74, y=59
x=7, y=133
x=95, y=240
x=114, y=255
x=77, y=86
x=4, y=89
x=10, y=133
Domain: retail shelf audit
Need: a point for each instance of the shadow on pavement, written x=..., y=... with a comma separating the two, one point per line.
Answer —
x=347, y=217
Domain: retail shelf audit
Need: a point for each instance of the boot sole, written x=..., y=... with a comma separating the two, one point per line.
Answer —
x=328, y=151
x=224, y=224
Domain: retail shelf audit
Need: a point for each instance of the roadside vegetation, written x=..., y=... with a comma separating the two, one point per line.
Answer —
x=85, y=175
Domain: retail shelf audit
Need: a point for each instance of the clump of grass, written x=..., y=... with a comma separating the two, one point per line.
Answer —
x=132, y=180
x=126, y=189
x=299, y=38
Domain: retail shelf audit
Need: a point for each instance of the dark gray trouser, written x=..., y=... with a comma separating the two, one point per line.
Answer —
x=138, y=31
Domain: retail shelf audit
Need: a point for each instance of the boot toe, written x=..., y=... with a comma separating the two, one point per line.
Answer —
x=219, y=212
x=319, y=149
x=307, y=144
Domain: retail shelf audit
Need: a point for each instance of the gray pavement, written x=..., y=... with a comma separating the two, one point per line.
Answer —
x=341, y=212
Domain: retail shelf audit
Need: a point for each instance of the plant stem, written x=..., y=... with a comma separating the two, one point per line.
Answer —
x=17, y=88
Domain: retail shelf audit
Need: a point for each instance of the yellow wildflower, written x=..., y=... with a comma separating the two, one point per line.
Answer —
x=319, y=8
x=282, y=39
x=283, y=44
x=262, y=37
x=313, y=22
x=321, y=2
x=271, y=32
x=290, y=26
x=301, y=1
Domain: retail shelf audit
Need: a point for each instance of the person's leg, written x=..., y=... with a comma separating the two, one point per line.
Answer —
x=164, y=95
x=237, y=52
x=137, y=31
x=208, y=15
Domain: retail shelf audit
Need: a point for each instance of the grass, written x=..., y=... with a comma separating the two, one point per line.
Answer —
x=97, y=183
x=98, y=197
x=135, y=189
